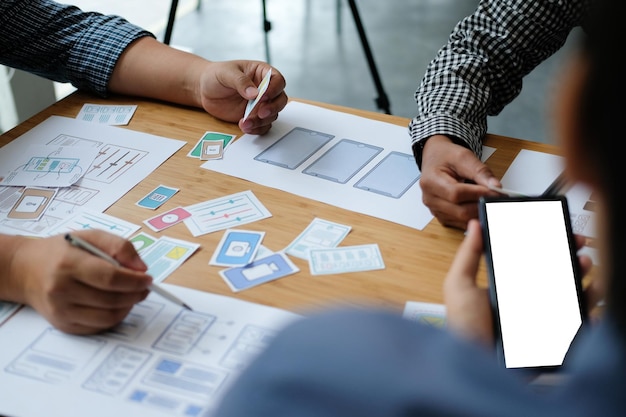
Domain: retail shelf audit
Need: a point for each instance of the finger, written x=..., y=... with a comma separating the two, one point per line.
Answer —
x=580, y=241
x=453, y=215
x=270, y=108
x=86, y=320
x=119, y=248
x=255, y=126
x=464, y=268
x=586, y=263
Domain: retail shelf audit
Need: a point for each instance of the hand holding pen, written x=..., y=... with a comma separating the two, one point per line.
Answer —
x=74, y=290
x=82, y=244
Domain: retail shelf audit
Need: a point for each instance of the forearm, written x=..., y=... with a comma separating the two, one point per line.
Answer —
x=148, y=68
x=11, y=288
x=480, y=69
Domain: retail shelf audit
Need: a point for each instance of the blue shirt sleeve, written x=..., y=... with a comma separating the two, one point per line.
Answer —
x=366, y=364
x=63, y=43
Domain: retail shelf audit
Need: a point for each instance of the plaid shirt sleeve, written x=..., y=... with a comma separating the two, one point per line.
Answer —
x=63, y=43
x=480, y=69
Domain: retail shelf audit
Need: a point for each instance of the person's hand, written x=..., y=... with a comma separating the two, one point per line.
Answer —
x=227, y=86
x=468, y=311
x=446, y=168
x=74, y=290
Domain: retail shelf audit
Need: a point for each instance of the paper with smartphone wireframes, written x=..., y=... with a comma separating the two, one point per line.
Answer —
x=262, y=88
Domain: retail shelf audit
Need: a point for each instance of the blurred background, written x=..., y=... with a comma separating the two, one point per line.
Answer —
x=316, y=45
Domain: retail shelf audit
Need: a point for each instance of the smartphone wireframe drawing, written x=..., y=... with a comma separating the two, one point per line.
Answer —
x=295, y=147
x=534, y=280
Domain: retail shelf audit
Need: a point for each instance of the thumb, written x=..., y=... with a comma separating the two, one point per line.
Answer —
x=244, y=85
x=121, y=249
x=481, y=174
x=464, y=268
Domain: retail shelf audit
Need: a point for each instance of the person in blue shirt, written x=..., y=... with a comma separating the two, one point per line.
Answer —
x=373, y=363
x=75, y=291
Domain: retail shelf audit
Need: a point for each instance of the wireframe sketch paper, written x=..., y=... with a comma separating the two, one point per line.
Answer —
x=321, y=154
x=122, y=158
x=48, y=166
x=348, y=161
x=161, y=361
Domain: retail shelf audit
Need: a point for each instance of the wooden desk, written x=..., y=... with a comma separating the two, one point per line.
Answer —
x=416, y=261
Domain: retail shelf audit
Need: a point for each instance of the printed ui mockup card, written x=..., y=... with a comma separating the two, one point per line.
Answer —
x=262, y=88
x=319, y=234
x=237, y=248
x=345, y=259
x=157, y=197
x=213, y=137
x=167, y=219
x=142, y=241
x=259, y=272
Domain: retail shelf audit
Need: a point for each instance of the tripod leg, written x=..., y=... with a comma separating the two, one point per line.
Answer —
x=267, y=26
x=381, y=101
x=170, y=22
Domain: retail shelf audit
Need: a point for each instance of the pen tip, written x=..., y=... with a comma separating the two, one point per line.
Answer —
x=187, y=307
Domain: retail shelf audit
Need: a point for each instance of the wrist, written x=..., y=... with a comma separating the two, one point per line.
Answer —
x=420, y=145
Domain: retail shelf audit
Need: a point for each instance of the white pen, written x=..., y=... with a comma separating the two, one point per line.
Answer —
x=510, y=193
x=80, y=243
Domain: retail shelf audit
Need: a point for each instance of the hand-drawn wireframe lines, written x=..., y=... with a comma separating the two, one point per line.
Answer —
x=75, y=195
x=65, y=203
x=50, y=164
x=68, y=140
x=8, y=197
x=32, y=227
x=251, y=341
x=164, y=372
x=112, y=161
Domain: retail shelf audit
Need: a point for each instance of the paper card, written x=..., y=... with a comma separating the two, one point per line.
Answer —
x=88, y=220
x=430, y=314
x=211, y=149
x=262, y=252
x=227, y=212
x=345, y=259
x=262, y=88
x=107, y=114
x=225, y=138
x=237, y=248
x=155, y=198
x=167, y=219
x=32, y=203
x=259, y=272
x=318, y=234
x=166, y=255
x=141, y=241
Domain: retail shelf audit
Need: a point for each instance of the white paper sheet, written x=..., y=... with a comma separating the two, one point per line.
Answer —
x=162, y=361
x=125, y=157
x=239, y=161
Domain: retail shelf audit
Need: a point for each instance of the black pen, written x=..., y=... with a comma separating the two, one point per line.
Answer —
x=80, y=243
